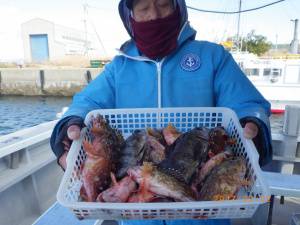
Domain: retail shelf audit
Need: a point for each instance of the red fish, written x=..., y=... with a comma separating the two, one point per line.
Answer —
x=101, y=153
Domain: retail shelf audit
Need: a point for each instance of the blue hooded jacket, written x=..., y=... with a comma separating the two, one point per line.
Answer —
x=195, y=74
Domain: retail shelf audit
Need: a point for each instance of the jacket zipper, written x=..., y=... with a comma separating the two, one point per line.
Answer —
x=158, y=66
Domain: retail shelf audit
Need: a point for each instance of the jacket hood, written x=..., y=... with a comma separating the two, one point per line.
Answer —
x=125, y=12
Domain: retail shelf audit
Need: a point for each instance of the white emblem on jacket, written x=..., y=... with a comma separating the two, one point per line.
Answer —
x=190, y=62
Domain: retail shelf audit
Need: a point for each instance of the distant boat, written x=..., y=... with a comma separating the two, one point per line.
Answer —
x=277, y=79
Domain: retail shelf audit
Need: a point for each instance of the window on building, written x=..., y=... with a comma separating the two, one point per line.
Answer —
x=267, y=72
x=252, y=72
x=276, y=72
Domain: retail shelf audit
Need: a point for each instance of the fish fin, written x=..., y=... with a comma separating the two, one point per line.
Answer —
x=87, y=146
x=231, y=141
x=149, y=131
x=188, y=172
x=100, y=198
x=141, y=154
x=147, y=168
x=83, y=194
x=245, y=182
x=113, y=179
x=210, y=154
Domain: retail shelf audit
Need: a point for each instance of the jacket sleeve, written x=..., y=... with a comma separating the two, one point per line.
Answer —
x=234, y=90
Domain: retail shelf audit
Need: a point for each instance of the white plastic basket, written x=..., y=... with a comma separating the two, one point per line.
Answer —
x=184, y=119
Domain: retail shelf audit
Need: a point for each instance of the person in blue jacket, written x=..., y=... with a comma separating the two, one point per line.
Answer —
x=162, y=65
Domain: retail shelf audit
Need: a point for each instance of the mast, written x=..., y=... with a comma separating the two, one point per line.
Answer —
x=85, y=11
x=238, y=26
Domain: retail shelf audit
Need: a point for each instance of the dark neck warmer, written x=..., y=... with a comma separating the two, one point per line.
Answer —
x=157, y=38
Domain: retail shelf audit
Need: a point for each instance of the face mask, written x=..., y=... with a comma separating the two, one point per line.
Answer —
x=157, y=38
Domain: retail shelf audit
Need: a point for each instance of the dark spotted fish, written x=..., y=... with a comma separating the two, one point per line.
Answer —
x=158, y=183
x=224, y=181
x=132, y=153
x=186, y=154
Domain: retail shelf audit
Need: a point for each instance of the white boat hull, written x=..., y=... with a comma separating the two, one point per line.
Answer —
x=280, y=95
x=277, y=79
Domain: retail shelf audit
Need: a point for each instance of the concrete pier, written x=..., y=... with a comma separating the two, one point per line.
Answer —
x=48, y=82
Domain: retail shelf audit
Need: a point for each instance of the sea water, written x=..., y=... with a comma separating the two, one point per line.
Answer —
x=18, y=112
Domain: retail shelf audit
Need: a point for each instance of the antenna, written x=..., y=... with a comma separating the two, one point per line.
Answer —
x=88, y=19
x=238, y=26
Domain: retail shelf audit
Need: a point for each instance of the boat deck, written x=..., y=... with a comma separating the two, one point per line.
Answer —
x=58, y=214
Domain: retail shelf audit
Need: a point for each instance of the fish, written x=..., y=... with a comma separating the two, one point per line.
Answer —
x=186, y=154
x=119, y=192
x=143, y=194
x=205, y=169
x=95, y=176
x=161, y=184
x=170, y=134
x=218, y=140
x=142, y=145
x=155, y=151
x=157, y=134
x=102, y=152
x=224, y=181
x=132, y=152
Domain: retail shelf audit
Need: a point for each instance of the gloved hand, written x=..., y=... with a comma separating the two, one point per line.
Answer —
x=63, y=134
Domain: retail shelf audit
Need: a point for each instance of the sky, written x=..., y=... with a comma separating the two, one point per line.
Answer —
x=274, y=22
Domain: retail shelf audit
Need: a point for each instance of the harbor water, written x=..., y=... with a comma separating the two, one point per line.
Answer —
x=18, y=112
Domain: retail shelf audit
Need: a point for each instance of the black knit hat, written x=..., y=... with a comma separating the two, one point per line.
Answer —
x=129, y=4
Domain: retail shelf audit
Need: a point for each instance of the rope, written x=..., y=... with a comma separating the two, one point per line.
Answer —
x=235, y=12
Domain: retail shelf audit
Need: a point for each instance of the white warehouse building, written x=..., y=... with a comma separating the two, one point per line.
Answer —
x=44, y=40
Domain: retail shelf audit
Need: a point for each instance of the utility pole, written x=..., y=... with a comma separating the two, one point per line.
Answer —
x=295, y=42
x=238, y=26
x=85, y=14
